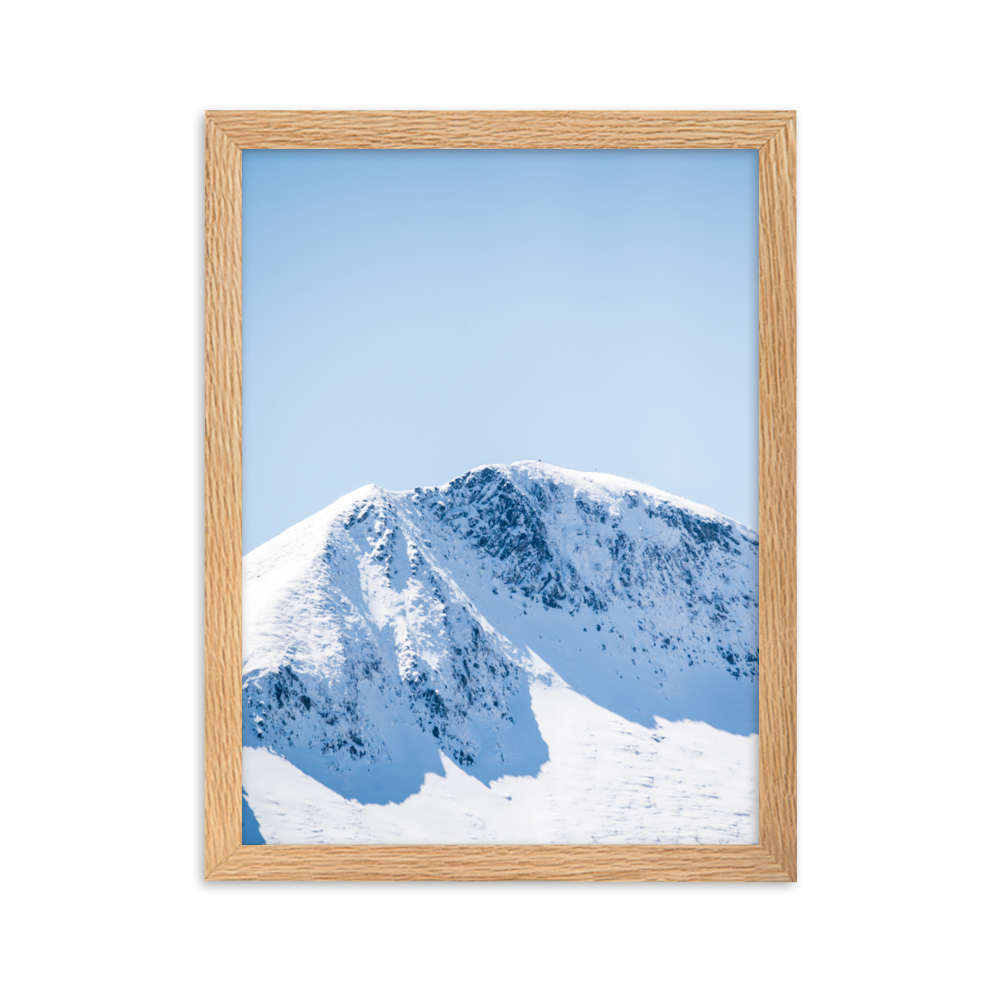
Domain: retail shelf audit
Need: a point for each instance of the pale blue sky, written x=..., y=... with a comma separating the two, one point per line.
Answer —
x=411, y=314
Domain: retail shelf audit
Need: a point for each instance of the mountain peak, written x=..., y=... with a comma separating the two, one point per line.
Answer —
x=391, y=627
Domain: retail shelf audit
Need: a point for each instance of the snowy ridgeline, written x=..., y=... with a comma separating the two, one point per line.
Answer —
x=526, y=654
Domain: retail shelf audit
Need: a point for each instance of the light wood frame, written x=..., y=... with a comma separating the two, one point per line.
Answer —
x=227, y=134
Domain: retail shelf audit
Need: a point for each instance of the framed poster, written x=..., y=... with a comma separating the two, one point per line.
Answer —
x=227, y=133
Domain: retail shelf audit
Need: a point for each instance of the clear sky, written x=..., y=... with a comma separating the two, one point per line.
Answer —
x=411, y=314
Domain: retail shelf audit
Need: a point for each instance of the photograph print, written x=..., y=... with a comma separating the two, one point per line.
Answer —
x=500, y=441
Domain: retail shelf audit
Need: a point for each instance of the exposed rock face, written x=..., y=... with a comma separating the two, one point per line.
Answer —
x=393, y=625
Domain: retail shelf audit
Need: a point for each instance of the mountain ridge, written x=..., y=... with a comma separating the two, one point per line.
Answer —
x=393, y=626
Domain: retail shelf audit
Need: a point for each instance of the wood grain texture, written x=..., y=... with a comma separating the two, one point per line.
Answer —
x=499, y=129
x=777, y=499
x=223, y=495
x=582, y=863
x=227, y=134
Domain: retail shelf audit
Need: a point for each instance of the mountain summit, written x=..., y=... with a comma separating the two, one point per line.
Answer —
x=392, y=628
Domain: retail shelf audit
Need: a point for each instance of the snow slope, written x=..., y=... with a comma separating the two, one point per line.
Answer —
x=525, y=653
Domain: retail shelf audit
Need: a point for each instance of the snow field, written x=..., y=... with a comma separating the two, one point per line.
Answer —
x=608, y=781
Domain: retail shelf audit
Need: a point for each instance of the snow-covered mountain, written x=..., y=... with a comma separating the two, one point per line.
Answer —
x=393, y=637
